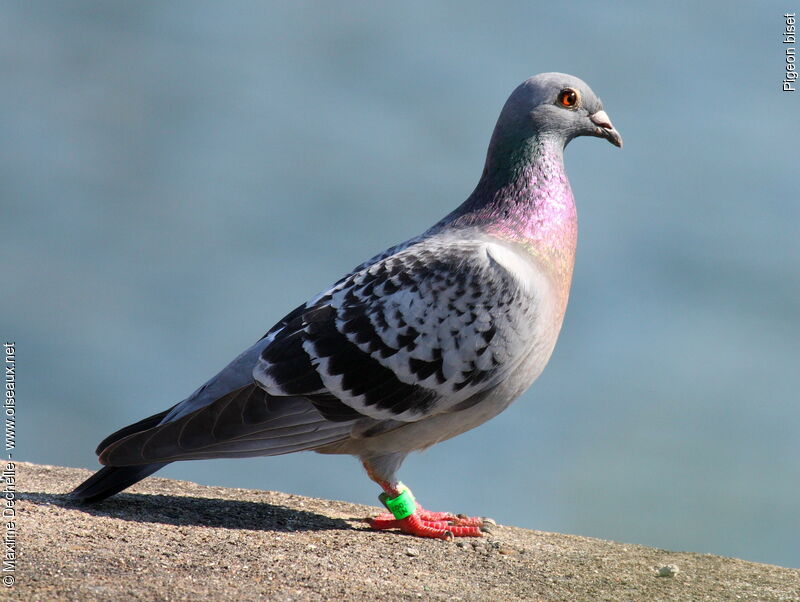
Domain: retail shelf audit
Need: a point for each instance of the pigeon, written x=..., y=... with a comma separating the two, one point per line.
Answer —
x=423, y=342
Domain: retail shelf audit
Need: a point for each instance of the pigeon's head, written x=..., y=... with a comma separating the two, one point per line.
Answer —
x=556, y=106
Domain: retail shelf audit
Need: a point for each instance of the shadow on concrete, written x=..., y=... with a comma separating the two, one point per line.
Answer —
x=198, y=511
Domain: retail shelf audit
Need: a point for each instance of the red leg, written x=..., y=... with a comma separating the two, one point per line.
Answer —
x=423, y=523
x=414, y=525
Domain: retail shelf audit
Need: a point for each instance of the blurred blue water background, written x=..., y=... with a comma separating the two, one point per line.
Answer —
x=178, y=175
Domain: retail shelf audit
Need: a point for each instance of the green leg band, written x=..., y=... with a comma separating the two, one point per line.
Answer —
x=401, y=506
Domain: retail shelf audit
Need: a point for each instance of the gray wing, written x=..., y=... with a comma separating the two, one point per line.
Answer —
x=239, y=372
x=412, y=335
x=245, y=422
x=230, y=416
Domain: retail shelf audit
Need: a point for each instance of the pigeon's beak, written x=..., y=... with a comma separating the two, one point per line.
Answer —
x=604, y=128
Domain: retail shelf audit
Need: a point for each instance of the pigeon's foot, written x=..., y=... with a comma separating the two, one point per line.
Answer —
x=438, y=525
x=409, y=517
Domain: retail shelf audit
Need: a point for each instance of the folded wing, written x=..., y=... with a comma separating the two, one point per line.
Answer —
x=410, y=336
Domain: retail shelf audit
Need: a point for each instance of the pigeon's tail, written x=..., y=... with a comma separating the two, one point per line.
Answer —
x=243, y=423
x=110, y=480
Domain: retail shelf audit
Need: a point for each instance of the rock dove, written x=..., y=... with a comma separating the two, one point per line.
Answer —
x=424, y=341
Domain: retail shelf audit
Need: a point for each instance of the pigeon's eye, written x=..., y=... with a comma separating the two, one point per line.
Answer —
x=568, y=98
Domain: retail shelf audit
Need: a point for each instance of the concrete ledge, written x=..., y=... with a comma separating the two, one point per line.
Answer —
x=174, y=540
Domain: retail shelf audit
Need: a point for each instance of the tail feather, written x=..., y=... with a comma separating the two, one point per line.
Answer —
x=110, y=480
x=244, y=423
x=142, y=425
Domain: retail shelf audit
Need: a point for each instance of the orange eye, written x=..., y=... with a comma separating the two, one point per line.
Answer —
x=568, y=98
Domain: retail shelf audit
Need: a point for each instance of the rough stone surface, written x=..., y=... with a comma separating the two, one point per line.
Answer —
x=174, y=540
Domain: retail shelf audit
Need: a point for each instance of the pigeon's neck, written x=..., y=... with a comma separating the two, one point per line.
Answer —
x=527, y=200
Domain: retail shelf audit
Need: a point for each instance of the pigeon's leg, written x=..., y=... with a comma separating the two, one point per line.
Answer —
x=408, y=516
